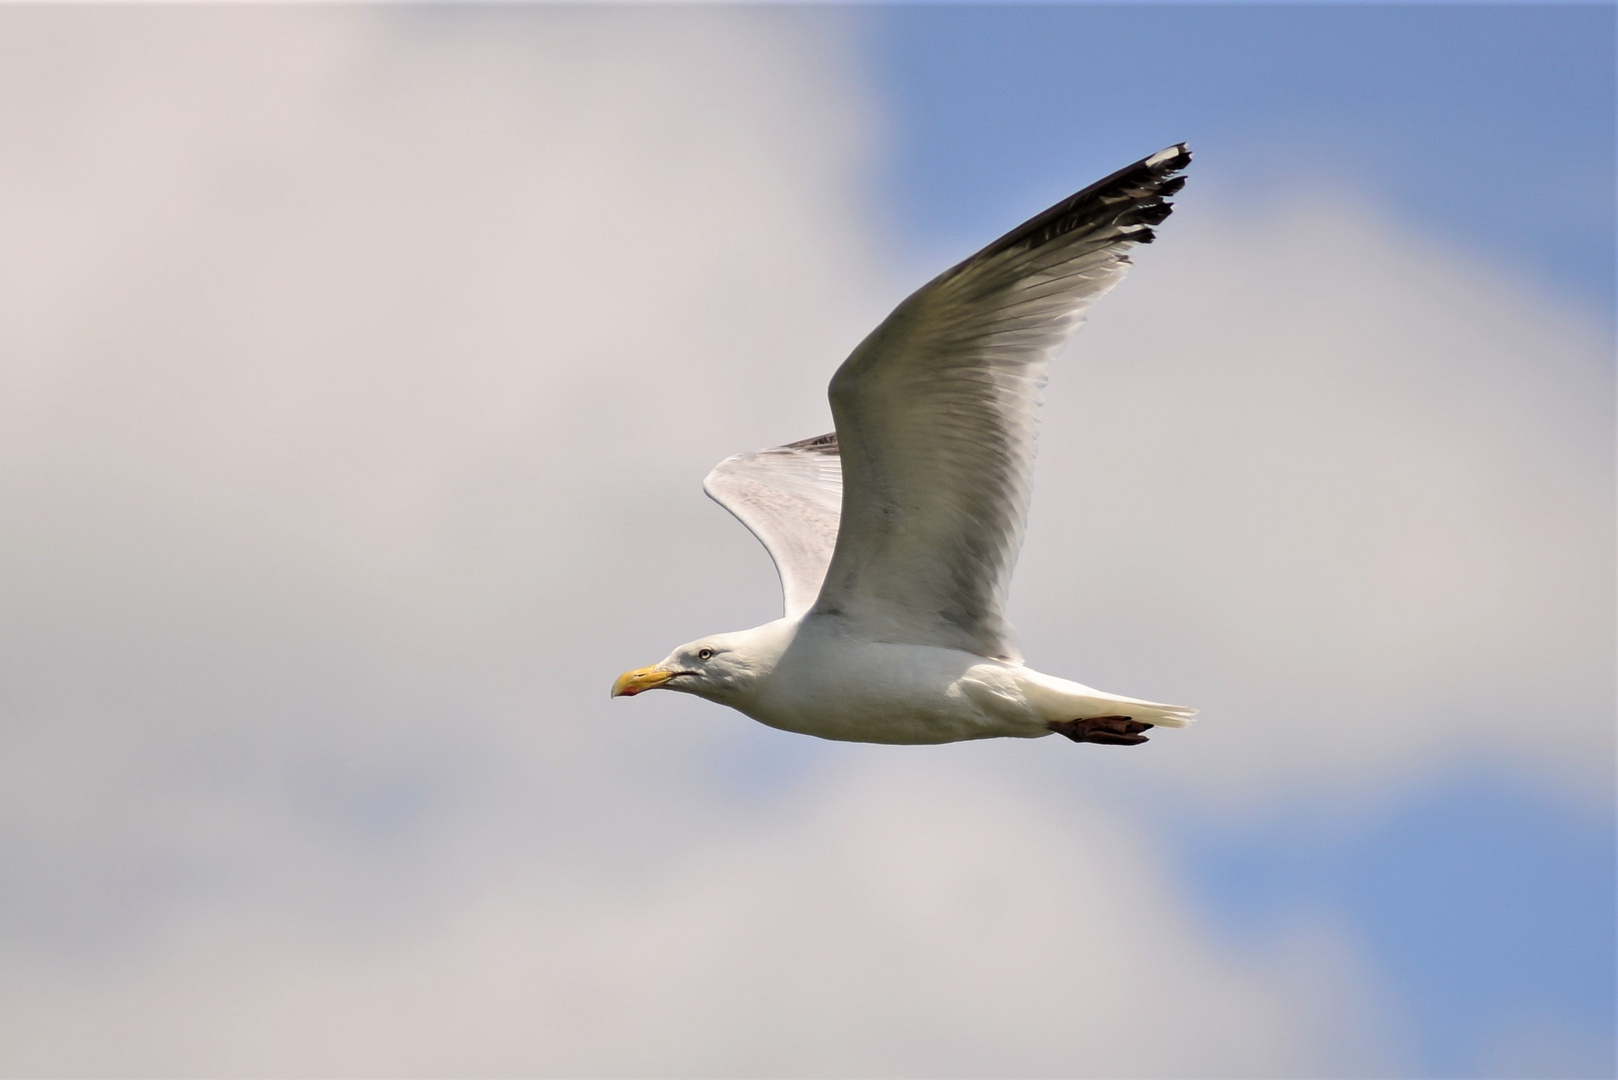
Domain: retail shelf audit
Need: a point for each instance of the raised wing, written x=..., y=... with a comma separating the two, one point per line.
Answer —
x=789, y=497
x=936, y=416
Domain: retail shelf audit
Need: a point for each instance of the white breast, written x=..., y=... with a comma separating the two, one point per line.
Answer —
x=837, y=687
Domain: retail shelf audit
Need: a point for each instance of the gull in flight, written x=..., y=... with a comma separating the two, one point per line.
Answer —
x=895, y=535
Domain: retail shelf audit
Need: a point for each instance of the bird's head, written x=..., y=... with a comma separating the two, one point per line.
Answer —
x=722, y=667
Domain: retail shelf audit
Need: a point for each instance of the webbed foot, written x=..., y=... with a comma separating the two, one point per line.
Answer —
x=1110, y=730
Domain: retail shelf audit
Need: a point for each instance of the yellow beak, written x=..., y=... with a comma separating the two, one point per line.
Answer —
x=631, y=683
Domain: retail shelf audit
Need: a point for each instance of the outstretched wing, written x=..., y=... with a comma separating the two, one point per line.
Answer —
x=936, y=417
x=789, y=497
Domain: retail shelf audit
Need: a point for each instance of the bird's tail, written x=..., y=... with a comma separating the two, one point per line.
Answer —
x=1149, y=712
x=1059, y=700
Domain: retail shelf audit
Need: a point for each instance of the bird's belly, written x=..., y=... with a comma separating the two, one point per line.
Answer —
x=884, y=693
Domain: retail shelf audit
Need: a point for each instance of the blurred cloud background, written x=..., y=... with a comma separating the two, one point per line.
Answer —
x=360, y=369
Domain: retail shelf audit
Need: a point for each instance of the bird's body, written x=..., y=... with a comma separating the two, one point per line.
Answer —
x=812, y=677
x=896, y=535
x=891, y=693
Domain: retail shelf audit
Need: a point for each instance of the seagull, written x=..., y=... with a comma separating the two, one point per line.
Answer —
x=895, y=535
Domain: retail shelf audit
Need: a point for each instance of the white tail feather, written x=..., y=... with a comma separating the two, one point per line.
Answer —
x=1058, y=700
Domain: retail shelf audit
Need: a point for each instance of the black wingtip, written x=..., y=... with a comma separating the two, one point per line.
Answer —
x=1170, y=159
x=819, y=444
x=1130, y=201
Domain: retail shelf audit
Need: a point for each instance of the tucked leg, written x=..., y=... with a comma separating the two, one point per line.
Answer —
x=1111, y=730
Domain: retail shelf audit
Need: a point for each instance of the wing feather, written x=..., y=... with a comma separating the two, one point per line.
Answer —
x=936, y=416
x=789, y=497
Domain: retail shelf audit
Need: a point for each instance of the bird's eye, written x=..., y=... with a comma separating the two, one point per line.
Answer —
x=704, y=654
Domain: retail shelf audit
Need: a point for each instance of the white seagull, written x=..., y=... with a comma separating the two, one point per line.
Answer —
x=895, y=536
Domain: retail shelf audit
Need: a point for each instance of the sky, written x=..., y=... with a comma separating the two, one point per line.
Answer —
x=1487, y=127
x=361, y=370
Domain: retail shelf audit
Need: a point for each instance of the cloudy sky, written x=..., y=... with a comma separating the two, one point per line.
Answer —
x=359, y=368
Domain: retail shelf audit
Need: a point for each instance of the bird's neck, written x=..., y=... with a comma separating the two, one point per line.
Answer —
x=755, y=653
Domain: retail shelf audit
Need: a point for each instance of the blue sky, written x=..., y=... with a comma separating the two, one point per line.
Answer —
x=1488, y=130
x=1489, y=127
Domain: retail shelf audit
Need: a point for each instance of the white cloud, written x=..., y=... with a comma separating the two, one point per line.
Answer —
x=1349, y=494
x=366, y=366
x=898, y=918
